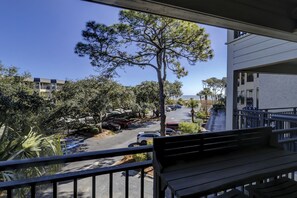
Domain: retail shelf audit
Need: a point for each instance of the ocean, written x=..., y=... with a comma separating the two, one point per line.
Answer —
x=187, y=97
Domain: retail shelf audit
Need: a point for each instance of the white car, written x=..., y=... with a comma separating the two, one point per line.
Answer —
x=170, y=132
x=144, y=137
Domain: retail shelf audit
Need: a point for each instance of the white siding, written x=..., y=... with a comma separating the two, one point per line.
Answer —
x=253, y=50
x=277, y=91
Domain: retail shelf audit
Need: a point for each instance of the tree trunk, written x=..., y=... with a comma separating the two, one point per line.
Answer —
x=192, y=113
x=162, y=104
x=205, y=103
x=100, y=123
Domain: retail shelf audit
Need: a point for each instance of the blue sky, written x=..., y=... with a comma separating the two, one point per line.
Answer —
x=39, y=37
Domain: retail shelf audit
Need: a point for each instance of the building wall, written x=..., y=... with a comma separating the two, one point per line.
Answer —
x=252, y=51
x=247, y=90
x=277, y=91
x=45, y=86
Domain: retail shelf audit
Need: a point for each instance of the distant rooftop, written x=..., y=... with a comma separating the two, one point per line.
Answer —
x=45, y=80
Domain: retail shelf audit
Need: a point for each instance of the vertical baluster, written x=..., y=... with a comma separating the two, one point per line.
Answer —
x=32, y=191
x=9, y=193
x=110, y=185
x=142, y=183
x=127, y=184
x=75, y=188
x=94, y=186
x=55, y=190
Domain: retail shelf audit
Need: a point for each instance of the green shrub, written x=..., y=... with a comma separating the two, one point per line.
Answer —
x=180, y=101
x=149, y=142
x=94, y=130
x=139, y=157
x=201, y=115
x=170, y=101
x=188, y=127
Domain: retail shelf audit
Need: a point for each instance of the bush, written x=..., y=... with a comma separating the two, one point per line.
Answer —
x=201, y=115
x=139, y=157
x=188, y=127
x=170, y=101
x=94, y=130
x=149, y=142
x=180, y=101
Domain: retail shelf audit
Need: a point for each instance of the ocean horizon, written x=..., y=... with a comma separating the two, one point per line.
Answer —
x=188, y=97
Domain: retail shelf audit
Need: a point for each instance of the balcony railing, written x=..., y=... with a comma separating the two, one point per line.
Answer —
x=278, y=118
x=286, y=137
x=32, y=183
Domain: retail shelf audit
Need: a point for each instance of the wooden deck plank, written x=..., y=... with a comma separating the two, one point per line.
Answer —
x=185, y=164
x=205, y=166
x=235, y=180
x=208, y=175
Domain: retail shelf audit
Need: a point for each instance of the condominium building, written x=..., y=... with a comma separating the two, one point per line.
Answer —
x=45, y=86
x=260, y=73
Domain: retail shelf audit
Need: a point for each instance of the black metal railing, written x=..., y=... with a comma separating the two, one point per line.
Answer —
x=282, y=120
x=277, y=118
x=287, y=138
x=32, y=183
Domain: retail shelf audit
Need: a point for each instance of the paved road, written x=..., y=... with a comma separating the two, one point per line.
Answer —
x=120, y=140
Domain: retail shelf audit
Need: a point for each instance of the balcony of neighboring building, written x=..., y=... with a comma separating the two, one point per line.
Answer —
x=251, y=52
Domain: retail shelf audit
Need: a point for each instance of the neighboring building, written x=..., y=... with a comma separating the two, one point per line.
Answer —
x=45, y=87
x=248, y=90
x=260, y=73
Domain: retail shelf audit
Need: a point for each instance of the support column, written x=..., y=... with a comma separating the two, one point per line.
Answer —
x=231, y=91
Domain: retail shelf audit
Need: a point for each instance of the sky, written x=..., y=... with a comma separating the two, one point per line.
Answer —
x=39, y=37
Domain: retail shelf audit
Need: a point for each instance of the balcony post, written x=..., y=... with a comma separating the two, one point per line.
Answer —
x=158, y=191
x=234, y=100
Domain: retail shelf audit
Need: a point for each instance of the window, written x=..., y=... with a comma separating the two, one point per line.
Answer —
x=242, y=97
x=249, y=98
x=249, y=93
x=250, y=77
x=242, y=78
x=238, y=34
x=257, y=98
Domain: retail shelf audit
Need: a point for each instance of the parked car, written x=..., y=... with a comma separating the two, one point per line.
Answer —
x=170, y=132
x=124, y=123
x=168, y=109
x=178, y=106
x=143, y=137
x=172, y=125
x=111, y=126
x=172, y=107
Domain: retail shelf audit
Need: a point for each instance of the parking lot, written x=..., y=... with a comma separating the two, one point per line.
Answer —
x=120, y=140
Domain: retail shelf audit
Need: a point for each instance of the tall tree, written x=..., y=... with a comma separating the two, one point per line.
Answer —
x=174, y=89
x=205, y=92
x=145, y=40
x=93, y=96
x=216, y=86
x=193, y=104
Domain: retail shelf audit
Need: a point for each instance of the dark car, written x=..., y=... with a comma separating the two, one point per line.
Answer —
x=172, y=125
x=124, y=123
x=172, y=107
x=111, y=126
x=178, y=106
